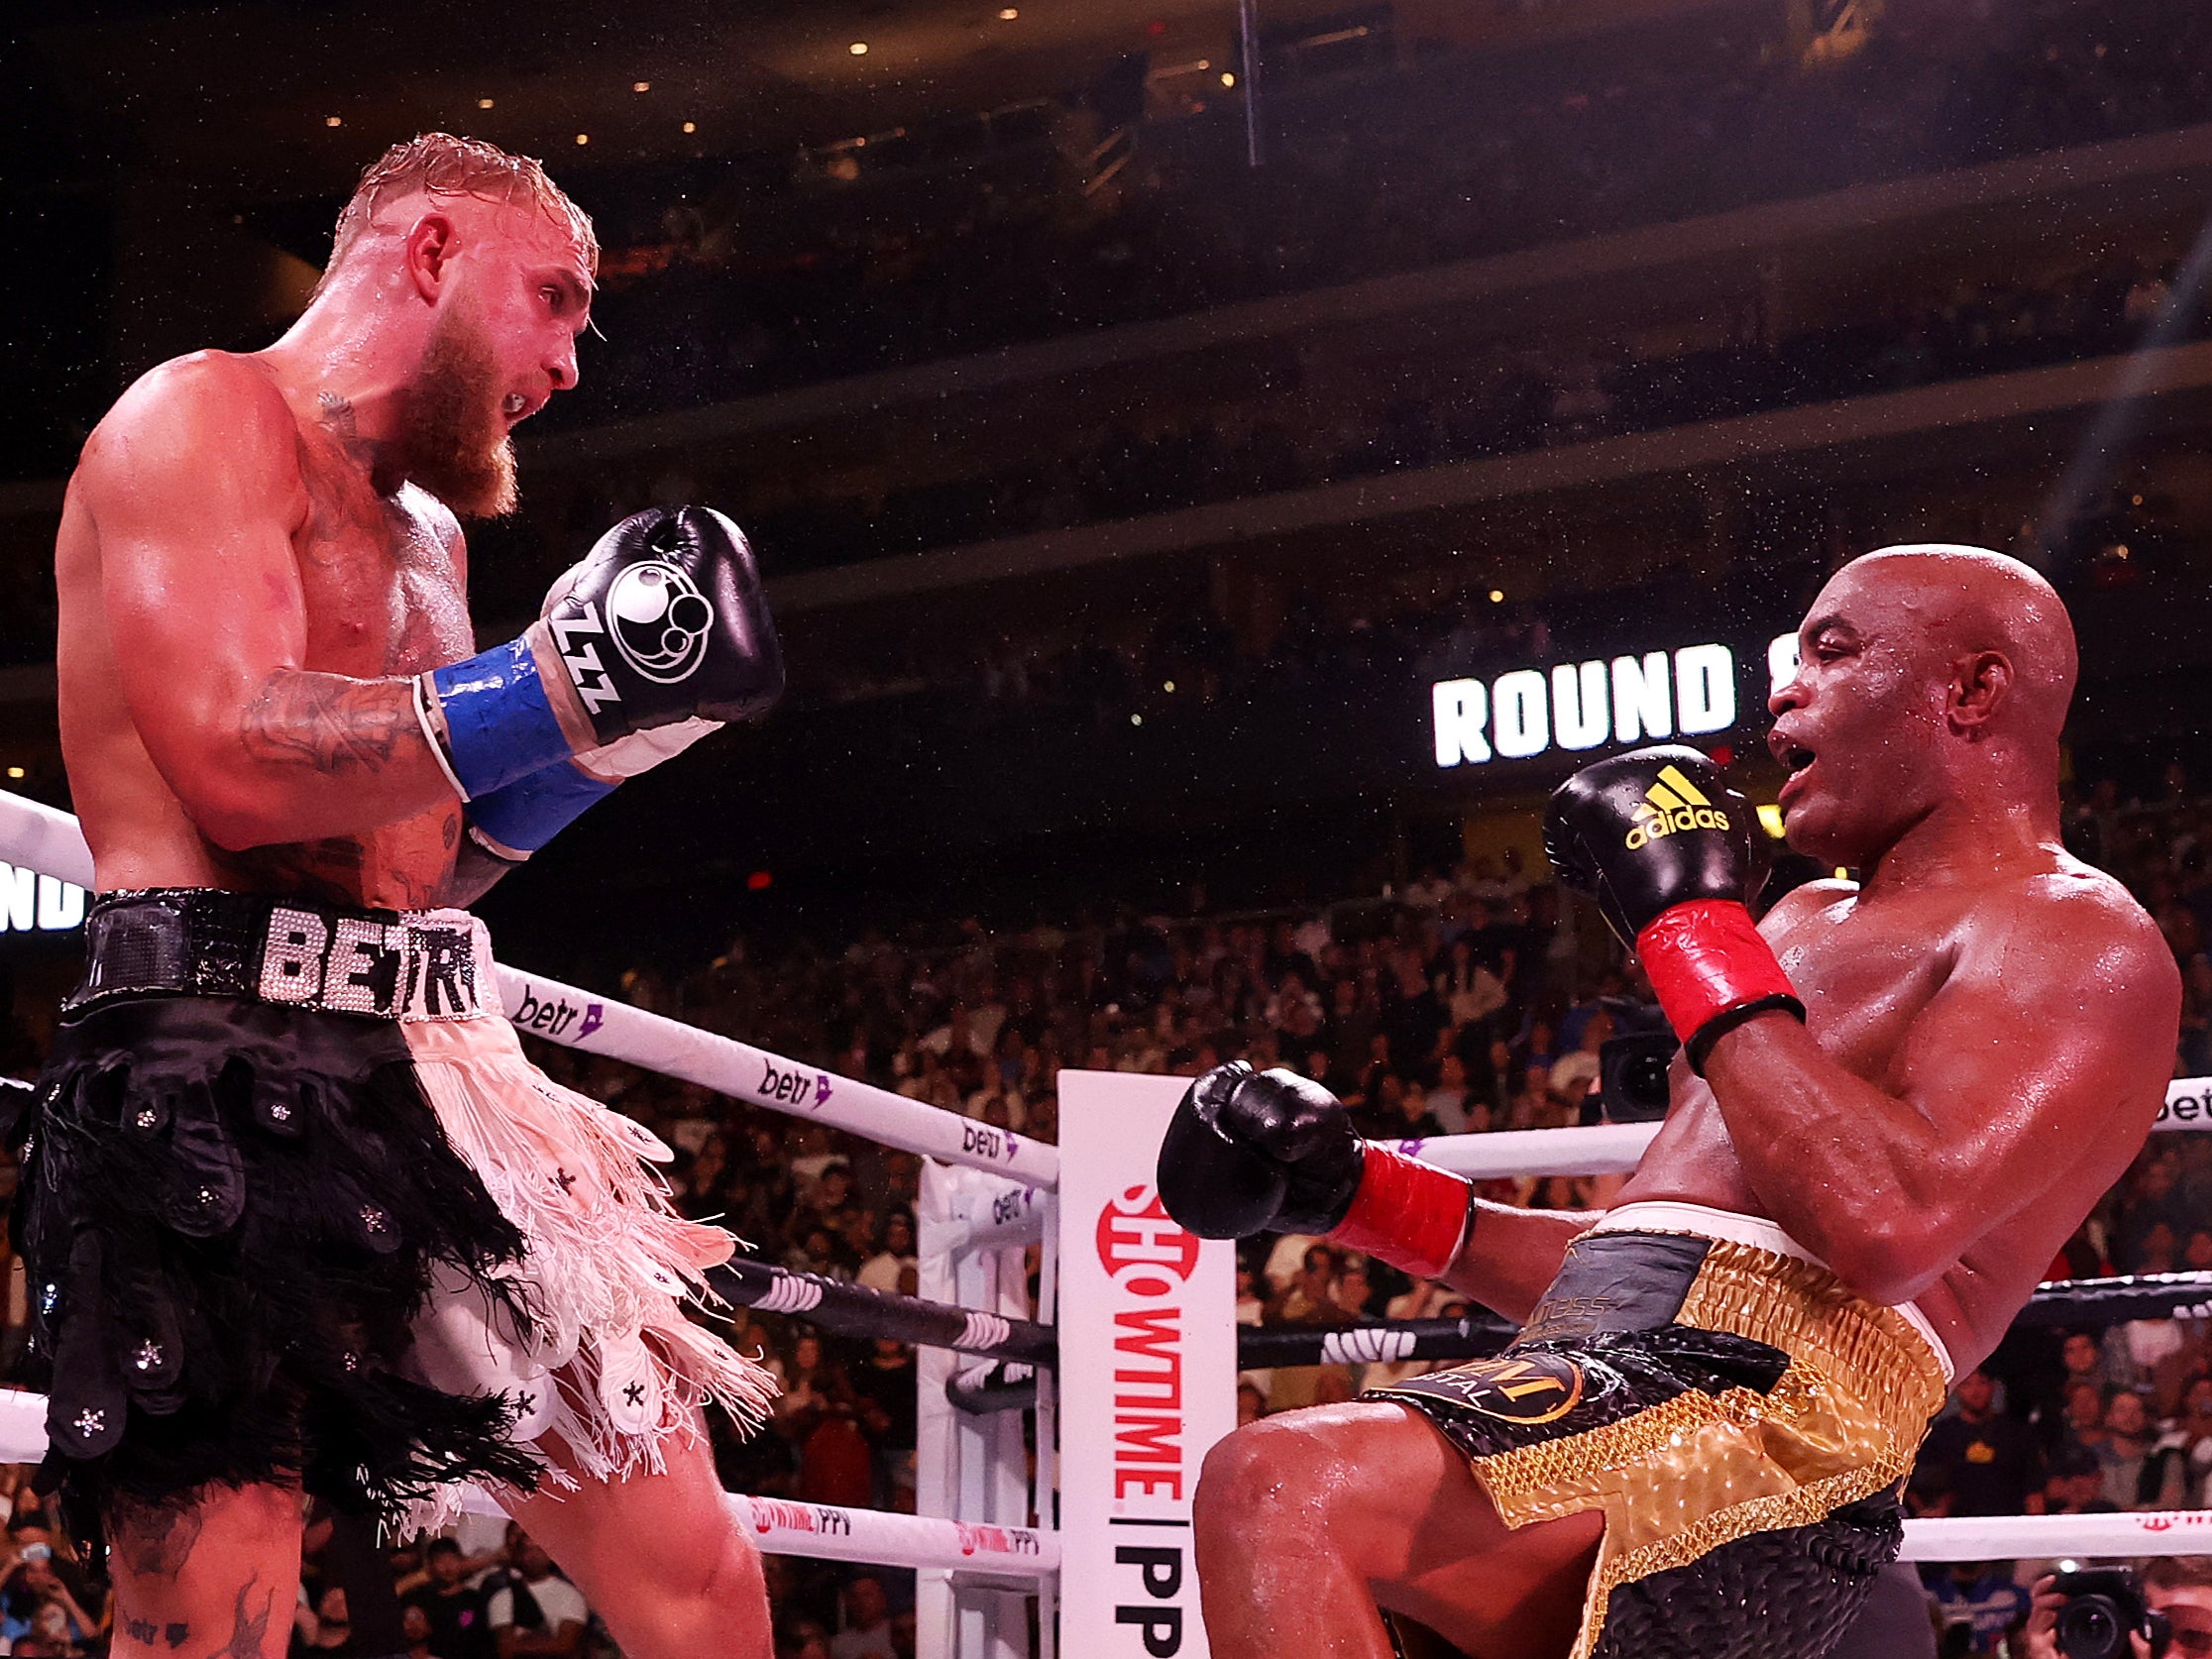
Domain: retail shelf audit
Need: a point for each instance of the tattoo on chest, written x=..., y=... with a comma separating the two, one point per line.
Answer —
x=379, y=558
x=347, y=513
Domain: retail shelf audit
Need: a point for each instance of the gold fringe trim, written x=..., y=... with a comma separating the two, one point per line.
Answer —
x=1680, y=1479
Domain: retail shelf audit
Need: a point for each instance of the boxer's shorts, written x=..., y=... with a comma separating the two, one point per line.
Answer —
x=370, y=1257
x=1740, y=1419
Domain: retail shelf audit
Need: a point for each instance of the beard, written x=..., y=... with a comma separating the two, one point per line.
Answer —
x=458, y=445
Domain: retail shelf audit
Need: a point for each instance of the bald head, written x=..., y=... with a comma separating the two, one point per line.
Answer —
x=1932, y=681
x=1961, y=602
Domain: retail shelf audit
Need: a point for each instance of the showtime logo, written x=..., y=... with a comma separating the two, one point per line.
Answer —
x=1140, y=1245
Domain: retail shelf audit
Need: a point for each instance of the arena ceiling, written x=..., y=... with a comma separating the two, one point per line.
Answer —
x=289, y=97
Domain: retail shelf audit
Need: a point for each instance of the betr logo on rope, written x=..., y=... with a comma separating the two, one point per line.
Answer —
x=792, y=1087
x=1673, y=804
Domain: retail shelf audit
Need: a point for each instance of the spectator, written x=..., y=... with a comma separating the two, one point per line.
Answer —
x=1979, y=1599
x=1988, y=1457
x=535, y=1612
x=884, y=1385
x=819, y=1414
x=53, y=1632
x=2074, y=1483
x=1446, y=1104
x=1252, y=1401
x=453, y=1608
x=2132, y=1478
x=1308, y=1300
x=42, y=1579
x=2181, y=1588
x=867, y=1623
x=2083, y=1425
x=328, y=1633
x=882, y=1270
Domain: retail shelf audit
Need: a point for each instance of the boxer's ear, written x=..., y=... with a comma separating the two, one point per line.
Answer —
x=429, y=252
x=1981, y=688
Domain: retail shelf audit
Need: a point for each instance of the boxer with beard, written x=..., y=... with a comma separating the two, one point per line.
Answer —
x=301, y=1218
x=1895, y=1101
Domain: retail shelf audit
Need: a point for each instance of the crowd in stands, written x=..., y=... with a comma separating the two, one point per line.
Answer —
x=1535, y=397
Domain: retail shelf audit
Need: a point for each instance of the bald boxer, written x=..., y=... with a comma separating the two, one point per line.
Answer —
x=300, y=1216
x=1895, y=1101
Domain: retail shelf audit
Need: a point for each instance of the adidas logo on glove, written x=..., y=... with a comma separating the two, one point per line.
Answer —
x=1672, y=803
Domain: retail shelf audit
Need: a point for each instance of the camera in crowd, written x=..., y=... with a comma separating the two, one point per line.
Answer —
x=1633, y=1062
x=2104, y=1606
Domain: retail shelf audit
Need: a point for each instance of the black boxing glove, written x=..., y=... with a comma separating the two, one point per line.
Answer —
x=1273, y=1152
x=1672, y=853
x=662, y=621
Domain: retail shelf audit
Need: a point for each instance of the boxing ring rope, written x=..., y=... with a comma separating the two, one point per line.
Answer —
x=1613, y=1148
x=2061, y=1301
x=598, y=1025
x=851, y=1310
x=1004, y=1217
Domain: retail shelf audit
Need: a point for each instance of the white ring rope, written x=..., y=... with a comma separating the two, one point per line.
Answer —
x=2049, y=1537
x=1613, y=1148
x=779, y=1526
x=41, y=838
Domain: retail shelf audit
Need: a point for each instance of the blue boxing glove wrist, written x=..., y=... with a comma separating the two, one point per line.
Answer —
x=500, y=725
x=517, y=819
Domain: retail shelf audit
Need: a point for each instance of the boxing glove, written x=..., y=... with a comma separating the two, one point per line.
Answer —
x=662, y=622
x=1672, y=854
x=1273, y=1152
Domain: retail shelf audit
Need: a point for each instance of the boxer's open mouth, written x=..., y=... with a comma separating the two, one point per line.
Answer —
x=516, y=406
x=1796, y=759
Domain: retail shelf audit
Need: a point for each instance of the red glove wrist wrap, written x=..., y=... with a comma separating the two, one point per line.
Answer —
x=1706, y=959
x=1410, y=1214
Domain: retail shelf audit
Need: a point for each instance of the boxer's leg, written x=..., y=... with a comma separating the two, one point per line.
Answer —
x=659, y=1557
x=213, y=1573
x=1306, y=1520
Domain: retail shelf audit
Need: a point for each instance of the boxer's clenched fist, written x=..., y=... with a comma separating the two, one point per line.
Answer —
x=1672, y=854
x=662, y=621
x=1273, y=1152
x=1644, y=831
x=1258, y=1151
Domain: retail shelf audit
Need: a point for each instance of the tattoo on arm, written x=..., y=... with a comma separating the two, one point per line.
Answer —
x=331, y=724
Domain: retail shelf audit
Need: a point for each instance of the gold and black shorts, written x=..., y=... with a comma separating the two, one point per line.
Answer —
x=1741, y=1419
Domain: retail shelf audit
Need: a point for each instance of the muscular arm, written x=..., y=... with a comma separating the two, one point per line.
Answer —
x=2051, y=1039
x=1511, y=1255
x=193, y=485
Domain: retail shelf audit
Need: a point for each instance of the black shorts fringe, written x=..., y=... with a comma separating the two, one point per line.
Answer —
x=230, y=1213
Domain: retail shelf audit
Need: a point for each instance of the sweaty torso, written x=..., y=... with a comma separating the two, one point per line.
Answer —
x=384, y=595
x=1865, y=972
